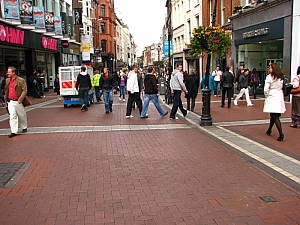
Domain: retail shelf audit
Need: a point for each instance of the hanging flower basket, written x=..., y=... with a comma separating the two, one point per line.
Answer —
x=210, y=40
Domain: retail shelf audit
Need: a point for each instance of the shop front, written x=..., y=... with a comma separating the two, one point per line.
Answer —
x=262, y=36
x=71, y=55
x=27, y=50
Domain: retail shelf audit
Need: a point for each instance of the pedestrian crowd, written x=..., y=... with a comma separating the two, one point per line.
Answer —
x=140, y=85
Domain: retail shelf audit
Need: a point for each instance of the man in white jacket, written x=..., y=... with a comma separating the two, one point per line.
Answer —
x=177, y=85
x=133, y=90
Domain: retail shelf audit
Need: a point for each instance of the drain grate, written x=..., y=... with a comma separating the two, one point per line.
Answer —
x=7, y=171
x=268, y=199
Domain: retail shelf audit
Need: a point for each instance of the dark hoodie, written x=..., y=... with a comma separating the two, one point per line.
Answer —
x=84, y=80
x=150, y=84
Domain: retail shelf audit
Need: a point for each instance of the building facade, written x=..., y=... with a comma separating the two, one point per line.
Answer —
x=262, y=34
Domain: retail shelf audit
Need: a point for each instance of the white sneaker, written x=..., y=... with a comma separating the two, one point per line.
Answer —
x=123, y=100
x=119, y=98
x=250, y=105
x=235, y=102
x=176, y=118
x=128, y=117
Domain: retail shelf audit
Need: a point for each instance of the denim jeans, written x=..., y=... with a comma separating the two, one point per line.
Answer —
x=122, y=91
x=177, y=103
x=108, y=99
x=218, y=88
x=154, y=99
x=83, y=95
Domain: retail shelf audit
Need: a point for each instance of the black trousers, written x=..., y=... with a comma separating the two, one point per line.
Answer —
x=229, y=95
x=131, y=98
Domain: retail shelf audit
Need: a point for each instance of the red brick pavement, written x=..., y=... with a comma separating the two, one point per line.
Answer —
x=135, y=177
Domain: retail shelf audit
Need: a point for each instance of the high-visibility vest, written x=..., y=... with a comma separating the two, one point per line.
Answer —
x=96, y=79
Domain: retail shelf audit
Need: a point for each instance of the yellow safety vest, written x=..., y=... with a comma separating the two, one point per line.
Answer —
x=96, y=79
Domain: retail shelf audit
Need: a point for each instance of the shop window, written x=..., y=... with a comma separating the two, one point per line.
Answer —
x=102, y=10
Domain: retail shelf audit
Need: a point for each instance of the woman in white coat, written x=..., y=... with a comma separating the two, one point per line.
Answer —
x=274, y=99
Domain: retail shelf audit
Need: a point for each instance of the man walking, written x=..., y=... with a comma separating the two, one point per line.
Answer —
x=243, y=86
x=15, y=94
x=217, y=74
x=133, y=89
x=177, y=85
x=108, y=82
x=85, y=85
x=151, y=93
x=228, y=80
x=95, y=85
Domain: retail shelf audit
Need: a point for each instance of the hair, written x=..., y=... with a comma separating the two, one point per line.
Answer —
x=246, y=70
x=276, y=71
x=227, y=68
x=83, y=68
x=298, y=70
x=150, y=69
x=133, y=67
x=192, y=73
x=179, y=64
x=13, y=69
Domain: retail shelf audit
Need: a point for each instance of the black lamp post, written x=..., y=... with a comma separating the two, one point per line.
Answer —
x=206, y=119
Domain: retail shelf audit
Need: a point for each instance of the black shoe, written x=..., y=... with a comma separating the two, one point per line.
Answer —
x=293, y=125
x=106, y=112
x=110, y=110
x=85, y=109
x=222, y=106
x=269, y=132
x=24, y=130
x=280, y=138
x=12, y=135
x=166, y=113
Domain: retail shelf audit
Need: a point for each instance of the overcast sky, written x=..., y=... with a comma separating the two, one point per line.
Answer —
x=145, y=19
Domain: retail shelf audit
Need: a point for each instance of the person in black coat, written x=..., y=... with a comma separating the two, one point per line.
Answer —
x=228, y=80
x=192, y=85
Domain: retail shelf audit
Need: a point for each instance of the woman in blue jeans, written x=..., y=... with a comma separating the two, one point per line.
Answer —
x=122, y=85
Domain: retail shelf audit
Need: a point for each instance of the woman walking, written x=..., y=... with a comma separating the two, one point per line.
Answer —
x=274, y=101
x=192, y=85
x=57, y=87
x=122, y=85
x=296, y=102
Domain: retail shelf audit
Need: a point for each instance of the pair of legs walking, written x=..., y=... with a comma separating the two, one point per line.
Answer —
x=83, y=97
x=242, y=91
x=274, y=118
x=177, y=104
x=108, y=100
x=189, y=104
x=229, y=92
x=134, y=97
x=154, y=99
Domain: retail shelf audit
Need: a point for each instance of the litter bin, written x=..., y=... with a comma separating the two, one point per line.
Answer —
x=162, y=85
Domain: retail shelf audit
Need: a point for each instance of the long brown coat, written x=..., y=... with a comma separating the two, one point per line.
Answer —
x=21, y=89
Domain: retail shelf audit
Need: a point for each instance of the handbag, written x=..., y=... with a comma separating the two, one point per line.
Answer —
x=295, y=90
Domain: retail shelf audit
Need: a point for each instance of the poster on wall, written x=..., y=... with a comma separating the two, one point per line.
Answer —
x=70, y=27
x=78, y=16
x=85, y=47
x=26, y=15
x=49, y=21
x=57, y=25
x=39, y=17
x=11, y=9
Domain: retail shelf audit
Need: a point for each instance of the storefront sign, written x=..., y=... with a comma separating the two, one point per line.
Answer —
x=65, y=44
x=11, y=35
x=49, y=43
x=85, y=47
x=11, y=9
x=26, y=12
x=255, y=33
x=39, y=17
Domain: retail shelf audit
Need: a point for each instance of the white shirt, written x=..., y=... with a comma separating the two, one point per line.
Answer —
x=217, y=75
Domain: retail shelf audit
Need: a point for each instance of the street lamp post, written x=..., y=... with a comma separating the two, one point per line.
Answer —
x=206, y=119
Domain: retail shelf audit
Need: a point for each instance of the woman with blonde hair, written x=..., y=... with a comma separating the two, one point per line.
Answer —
x=274, y=99
x=192, y=85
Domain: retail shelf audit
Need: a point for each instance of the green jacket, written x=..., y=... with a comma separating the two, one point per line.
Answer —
x=96, y=80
